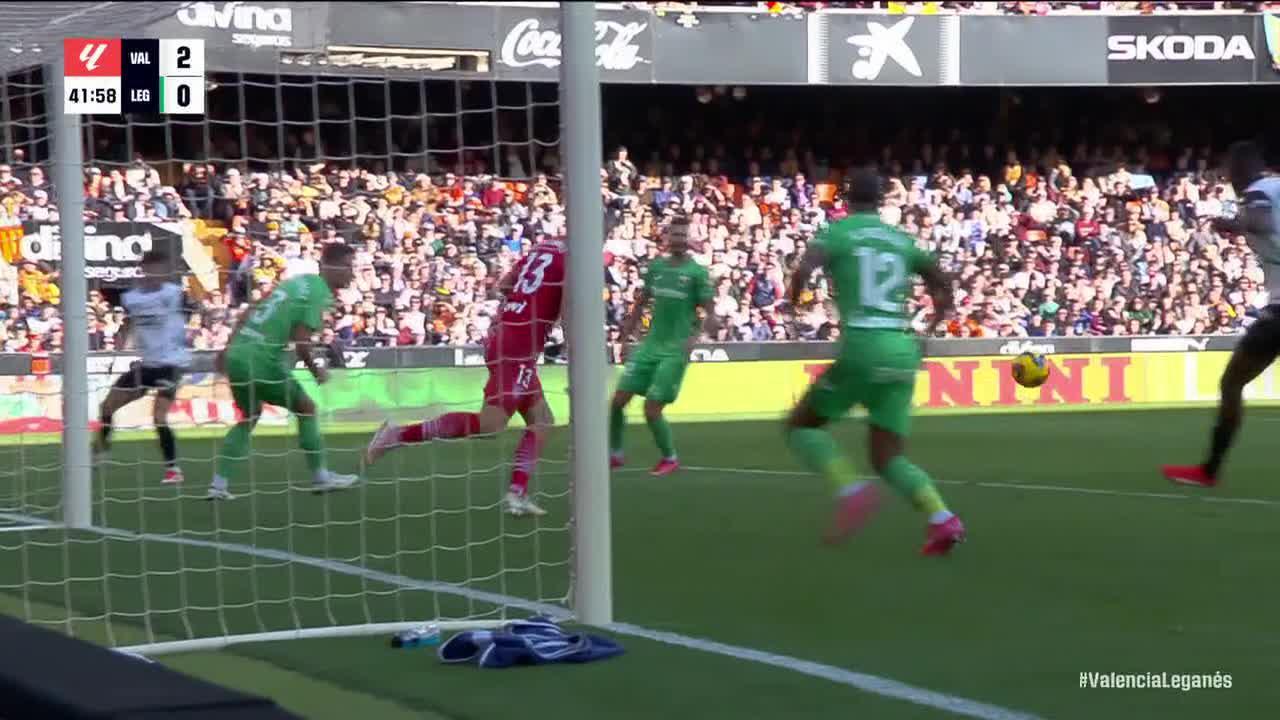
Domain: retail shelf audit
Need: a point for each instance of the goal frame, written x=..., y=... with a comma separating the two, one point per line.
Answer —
x=591, y=599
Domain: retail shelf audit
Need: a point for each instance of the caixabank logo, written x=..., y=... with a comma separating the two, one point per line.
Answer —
x=859, y=49
x=1180, y=50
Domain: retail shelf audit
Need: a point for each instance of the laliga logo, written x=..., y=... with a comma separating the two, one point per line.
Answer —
x=91, y=53
x=881, y=43
x=527, y=45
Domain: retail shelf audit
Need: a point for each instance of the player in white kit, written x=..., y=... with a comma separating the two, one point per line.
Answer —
x=1258, y=220
x=156, y=315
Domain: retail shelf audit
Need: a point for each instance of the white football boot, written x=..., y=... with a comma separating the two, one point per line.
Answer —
x=519, y=505
x=328, y=481
x=386, y=439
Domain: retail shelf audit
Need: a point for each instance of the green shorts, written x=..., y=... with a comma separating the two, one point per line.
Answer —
x=655, y=375
x=875, y=369
x=256, y=379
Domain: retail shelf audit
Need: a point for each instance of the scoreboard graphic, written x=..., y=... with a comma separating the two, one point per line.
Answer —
x=115, y=76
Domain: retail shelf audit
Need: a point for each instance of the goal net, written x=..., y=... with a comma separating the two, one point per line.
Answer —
x=440, y=185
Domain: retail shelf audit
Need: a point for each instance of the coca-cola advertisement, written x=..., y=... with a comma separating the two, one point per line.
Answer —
x=529, y=45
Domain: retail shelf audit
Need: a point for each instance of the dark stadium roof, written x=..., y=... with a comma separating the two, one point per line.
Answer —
x=30, y=32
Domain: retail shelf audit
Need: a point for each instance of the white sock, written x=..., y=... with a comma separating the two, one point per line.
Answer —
x=940, y=517
x=321, y=475
x=219, y=482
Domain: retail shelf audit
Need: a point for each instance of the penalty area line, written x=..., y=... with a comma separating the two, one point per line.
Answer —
x=1020, y=486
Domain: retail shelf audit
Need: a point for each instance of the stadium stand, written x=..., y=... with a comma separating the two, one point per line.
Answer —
x=1049, y=231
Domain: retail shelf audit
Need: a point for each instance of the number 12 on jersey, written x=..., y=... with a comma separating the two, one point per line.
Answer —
x=881, y=279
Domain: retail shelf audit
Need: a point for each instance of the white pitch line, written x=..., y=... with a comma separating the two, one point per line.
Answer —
x=1020, y=486
x=868, y=683
x=141, y=493
x=862, y=681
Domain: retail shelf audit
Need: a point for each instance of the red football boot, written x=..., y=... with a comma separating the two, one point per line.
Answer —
x=616, y=461
x=665, y=467
x=1189, y=475
x=853, y=511
x=943, y=536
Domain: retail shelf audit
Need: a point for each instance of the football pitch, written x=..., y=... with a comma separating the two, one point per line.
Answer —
x=1080, y=559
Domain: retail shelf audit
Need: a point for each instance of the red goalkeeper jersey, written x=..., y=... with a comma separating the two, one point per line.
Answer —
x=532, y=306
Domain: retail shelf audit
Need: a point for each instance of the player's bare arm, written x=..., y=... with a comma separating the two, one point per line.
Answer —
x=1227, y=226
x=939, y=288
x=813, y=259
x=508, y=281
x=241, y=322
x=302, y=347
x=1255, y=216
x=708, y=323
x=632, y=323
x=123, y=334
x=220, y=360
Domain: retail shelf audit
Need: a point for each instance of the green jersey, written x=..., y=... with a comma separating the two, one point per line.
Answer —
x=869, y=265
x=678, y=288
x=300, y=300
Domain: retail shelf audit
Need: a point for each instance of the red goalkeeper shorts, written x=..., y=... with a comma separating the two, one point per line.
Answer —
x=513, y=385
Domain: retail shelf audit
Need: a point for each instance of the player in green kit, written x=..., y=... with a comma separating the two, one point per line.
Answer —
x=255, y=365
x=678, y=286
x=869, y=265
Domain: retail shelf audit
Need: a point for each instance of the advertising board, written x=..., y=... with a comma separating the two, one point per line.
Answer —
x=1181, y=49
x=748, y=45
x=711, y=391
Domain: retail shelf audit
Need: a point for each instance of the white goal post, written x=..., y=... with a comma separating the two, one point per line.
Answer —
x=98, y=549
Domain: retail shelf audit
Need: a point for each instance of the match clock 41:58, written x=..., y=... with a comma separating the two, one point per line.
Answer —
x=81, y=96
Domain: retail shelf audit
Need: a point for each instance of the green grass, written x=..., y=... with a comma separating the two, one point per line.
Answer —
x=1052, y=583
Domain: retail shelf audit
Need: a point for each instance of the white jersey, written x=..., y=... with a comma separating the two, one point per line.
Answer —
x=159, y=324
x=1263, y=198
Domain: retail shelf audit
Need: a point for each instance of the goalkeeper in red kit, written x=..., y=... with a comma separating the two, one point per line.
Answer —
x=533, y=297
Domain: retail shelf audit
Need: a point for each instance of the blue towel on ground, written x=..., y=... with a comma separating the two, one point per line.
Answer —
x=536, y=641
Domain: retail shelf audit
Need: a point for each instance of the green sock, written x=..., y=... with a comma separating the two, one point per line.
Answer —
x=311, y=441
x=617, y=424
x=235, y=448
x=662, y=436
x=817, y=450
x=914, y=484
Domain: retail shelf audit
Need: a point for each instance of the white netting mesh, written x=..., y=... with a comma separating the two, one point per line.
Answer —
x=423, y=537
x=32, y=33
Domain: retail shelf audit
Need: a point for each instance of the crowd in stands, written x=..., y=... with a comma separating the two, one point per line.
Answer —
x=1047, y=229
x=1040, y=247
